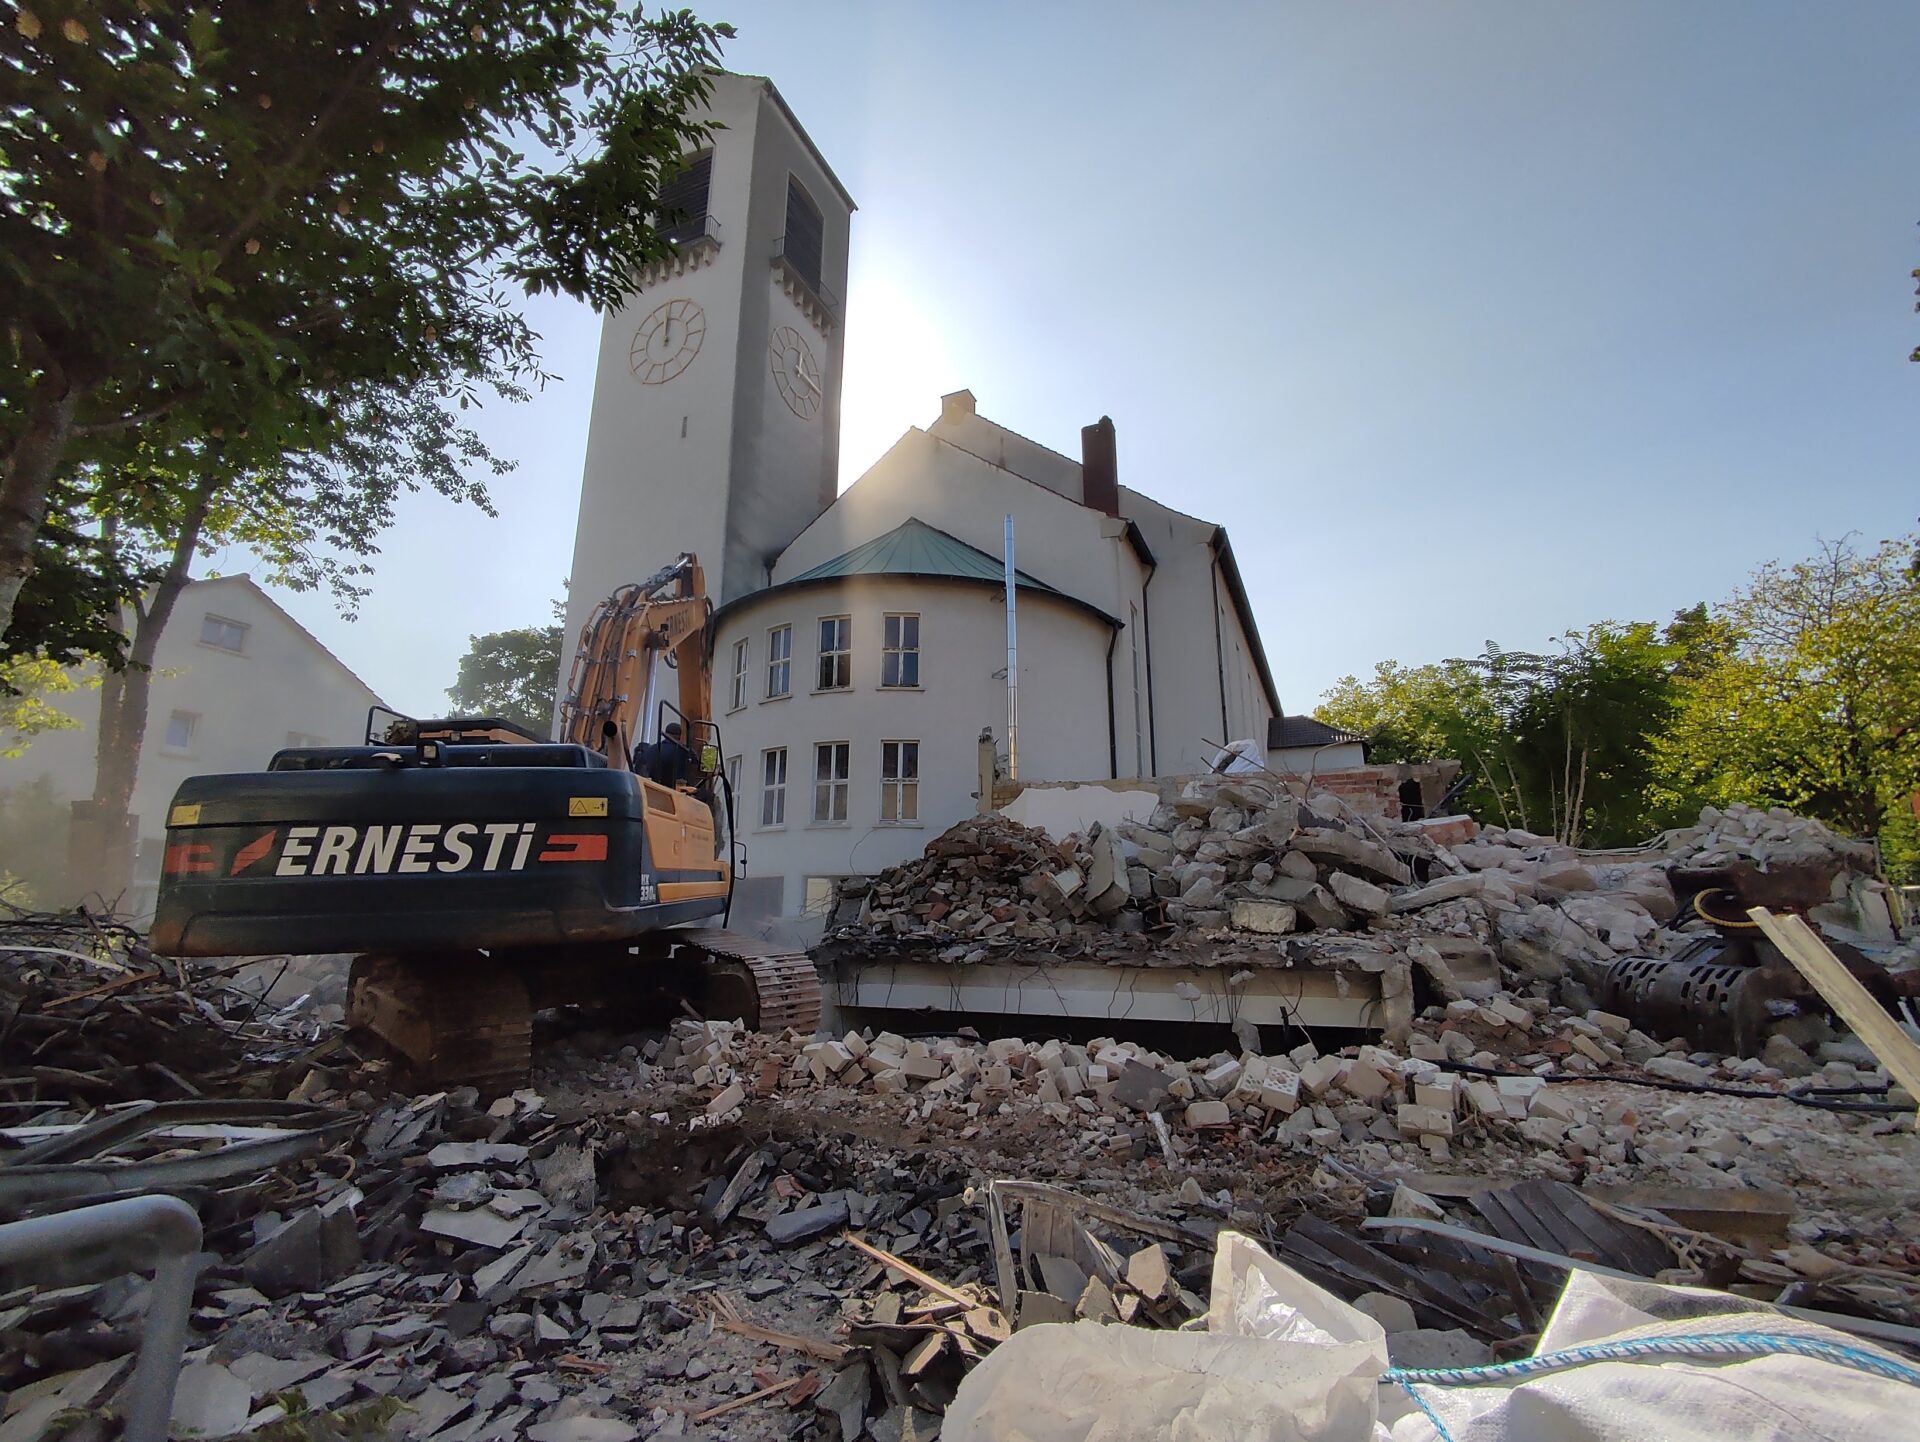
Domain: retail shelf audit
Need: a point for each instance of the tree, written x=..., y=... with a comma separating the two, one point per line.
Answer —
x=229, y=220
x=151, y=517
x=1814, y=706
x=1558, y=742
x=512, y=675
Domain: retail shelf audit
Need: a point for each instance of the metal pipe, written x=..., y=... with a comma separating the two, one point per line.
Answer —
x=1013, y=667
x=94, y=1244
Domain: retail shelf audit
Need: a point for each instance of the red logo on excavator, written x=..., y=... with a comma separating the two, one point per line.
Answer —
x=575, y=846
x=253, y=851
x=188, y=858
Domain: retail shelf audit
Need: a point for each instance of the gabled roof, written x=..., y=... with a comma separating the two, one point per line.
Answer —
x=1290, y=731
x=913, y=548
x=244, y=580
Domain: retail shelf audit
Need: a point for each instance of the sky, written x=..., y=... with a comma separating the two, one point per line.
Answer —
x=1469, y=321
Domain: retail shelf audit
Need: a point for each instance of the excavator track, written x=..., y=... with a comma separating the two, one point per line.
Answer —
x=466, y=1019
x=770, y=988
x=459, y=1019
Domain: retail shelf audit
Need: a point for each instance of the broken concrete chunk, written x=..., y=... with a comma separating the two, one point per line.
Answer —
x=481, y=1227
x=1361, y=896
x=1148, y=1273
x=210, y=1401
x=1268, y=918
x=583, y=1428
x=790, y=1228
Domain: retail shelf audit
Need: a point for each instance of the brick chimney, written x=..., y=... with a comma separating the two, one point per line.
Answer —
x=1099, y=467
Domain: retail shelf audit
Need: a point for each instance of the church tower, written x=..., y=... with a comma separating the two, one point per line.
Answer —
x=716, y=402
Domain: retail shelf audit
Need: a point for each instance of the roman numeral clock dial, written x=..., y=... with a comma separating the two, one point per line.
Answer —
x=667, y=341
x=795, y=372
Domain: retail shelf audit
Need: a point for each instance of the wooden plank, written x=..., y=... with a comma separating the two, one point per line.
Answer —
x=1802, y=946
x=911, y=1273
x=818, y=1347
x=1740, y=1213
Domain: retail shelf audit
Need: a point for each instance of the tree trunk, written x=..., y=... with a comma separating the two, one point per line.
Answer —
x=30, y=467
x=123, y=709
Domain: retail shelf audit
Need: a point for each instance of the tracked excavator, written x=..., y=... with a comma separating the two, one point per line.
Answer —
x=481, y=873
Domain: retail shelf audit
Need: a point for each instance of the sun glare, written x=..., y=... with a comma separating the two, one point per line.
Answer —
x=897, y=368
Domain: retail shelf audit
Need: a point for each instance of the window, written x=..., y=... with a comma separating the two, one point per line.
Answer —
x=773, y=787
x=739, y=674
x=899, y=780
x=733, y=778
x=805, y=240
x=683, y=199
x=830, y=781
x=181, y=726
x=779, y=661
x=836, y=653
x=900, y=653
x=226, y=635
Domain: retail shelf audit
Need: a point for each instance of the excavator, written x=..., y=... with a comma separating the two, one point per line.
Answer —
x=481, y=873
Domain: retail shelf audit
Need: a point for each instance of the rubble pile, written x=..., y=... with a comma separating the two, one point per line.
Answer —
x=88, y=1014
x=709, y=1232
x=1241, y=863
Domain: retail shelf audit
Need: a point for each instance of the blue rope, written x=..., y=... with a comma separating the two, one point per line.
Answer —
x=1721, y=1345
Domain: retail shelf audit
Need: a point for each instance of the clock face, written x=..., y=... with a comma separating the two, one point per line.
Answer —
x=795, y=372
x=667, y=341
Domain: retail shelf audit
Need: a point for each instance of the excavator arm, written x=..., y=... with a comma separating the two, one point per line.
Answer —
x=666, y=614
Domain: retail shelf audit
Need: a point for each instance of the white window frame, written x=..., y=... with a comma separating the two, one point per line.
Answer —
x=830, y=792
x=835, y=669
x=773, y=786
x=895, y=652
x=211, y=620
x=181, y=748
x=740, y=662
x=779, y=662
x=899, y=790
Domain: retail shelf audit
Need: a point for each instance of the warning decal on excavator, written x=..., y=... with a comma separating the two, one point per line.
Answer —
x=586, y=806
x=188, y=815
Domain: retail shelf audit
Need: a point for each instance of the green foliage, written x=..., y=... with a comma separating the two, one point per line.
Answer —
x=511, y=674
x=25, y=684
x=1549, y=742
x=1802, y=690
x=253, y=222
x=1814, y=706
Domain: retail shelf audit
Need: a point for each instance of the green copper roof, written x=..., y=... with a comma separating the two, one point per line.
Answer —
x=913, y=548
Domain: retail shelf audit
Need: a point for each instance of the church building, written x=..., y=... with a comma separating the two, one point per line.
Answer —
x=860, y=640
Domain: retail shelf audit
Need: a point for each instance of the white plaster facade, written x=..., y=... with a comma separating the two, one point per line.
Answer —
x=1140, y=665
x=963, y=655
x=259, y=681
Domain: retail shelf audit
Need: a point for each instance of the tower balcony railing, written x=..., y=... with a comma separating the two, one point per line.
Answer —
x=692, y=230
x=827, y=302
